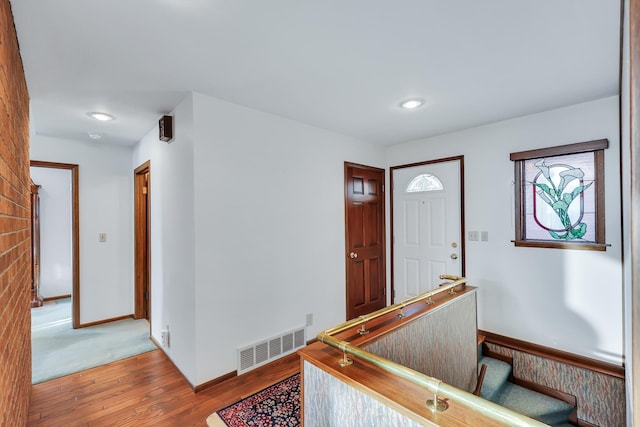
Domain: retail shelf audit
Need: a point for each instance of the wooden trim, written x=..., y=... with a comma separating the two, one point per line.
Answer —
x=634, y=98
x=586, y=246
x=75, y=230
x=518, y=174
x=463, y=231
x=554, y=354
x=197, y=388
x=483, y=371
x=486, y=351
x=361, y=166
x=102, y=322
x=579, y=147
x=582, y=423
x=381, y=326
x=392, y=267
x=600, y=206
x=463, y=228
x=142, y=249
x=57, y=297
x=52, y=165
x=552, y=392
x=215, y=381
x=427, y=162
x=153, y=340
x=597, y=147
x=218, y=380
x=143, y=167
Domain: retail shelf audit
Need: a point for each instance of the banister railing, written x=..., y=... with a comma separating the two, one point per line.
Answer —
x=445, y=287
x=434, y=385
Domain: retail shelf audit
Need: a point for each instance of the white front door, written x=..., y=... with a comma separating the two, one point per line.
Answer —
x=426, y=226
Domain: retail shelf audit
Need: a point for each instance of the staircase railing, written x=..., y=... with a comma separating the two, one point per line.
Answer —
x=434, y=385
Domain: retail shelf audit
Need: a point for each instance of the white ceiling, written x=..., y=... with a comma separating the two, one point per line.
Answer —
x=342, y=65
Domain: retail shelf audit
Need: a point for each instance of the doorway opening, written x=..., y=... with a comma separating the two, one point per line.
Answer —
x=427, y=225
x=142, y=220
x=74, y=221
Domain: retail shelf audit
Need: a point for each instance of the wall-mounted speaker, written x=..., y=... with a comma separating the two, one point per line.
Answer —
x=166, y=128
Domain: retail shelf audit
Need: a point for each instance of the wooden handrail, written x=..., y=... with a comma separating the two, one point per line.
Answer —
x=434, y=385
x=445, y=287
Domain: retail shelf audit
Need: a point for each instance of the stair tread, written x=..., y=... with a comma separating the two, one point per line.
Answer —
x=533, y=404
x=495, y=377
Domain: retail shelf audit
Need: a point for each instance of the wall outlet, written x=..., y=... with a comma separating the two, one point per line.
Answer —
x=474, y=236
x=102, y=237
x=165, y=337
x=309, y=319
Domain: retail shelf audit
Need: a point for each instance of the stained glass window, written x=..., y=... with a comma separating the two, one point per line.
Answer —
x=560, y=196
x=424, y=182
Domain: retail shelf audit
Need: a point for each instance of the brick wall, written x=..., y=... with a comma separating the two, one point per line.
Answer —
x=15, y=246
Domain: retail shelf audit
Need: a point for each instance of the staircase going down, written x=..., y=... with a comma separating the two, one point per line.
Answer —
x=500, y=387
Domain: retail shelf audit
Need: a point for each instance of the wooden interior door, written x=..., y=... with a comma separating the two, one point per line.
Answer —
x=142, y=190
x=365, y=242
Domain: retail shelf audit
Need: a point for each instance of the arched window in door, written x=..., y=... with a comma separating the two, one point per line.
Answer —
x=423, y=183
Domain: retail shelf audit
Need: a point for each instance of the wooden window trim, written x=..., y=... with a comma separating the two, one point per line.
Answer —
x=595, y=146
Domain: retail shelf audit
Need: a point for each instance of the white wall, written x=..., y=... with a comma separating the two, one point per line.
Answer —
x=172, y=236
x=269, y=217
x=566, y=299
x=258, y=202
x=56, y=263
x=106, y=205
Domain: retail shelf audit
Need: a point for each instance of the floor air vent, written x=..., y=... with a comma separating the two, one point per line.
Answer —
x=254, y=355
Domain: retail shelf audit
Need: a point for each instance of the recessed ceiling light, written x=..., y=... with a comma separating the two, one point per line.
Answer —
x=95, y=135
x=412, y=104
x=103, y=117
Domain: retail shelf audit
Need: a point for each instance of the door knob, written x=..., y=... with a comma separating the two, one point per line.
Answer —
x=454, y=256
x=353, y=255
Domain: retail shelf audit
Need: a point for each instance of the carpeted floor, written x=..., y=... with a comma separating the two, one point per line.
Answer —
x=58, y=349
x=278, y=405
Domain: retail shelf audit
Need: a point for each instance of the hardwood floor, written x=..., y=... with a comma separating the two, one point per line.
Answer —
x=144, y=390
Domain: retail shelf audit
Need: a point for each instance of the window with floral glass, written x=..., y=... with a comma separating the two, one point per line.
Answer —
x=560, y=196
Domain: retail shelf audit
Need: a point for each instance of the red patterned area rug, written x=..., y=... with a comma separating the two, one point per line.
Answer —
x=275, y=406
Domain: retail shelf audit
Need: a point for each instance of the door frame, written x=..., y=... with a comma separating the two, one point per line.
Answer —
x=142, y=244
x=75, y=234
x=348, y=165
x=462, y=222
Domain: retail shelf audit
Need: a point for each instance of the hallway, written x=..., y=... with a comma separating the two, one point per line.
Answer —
x=58, y=349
